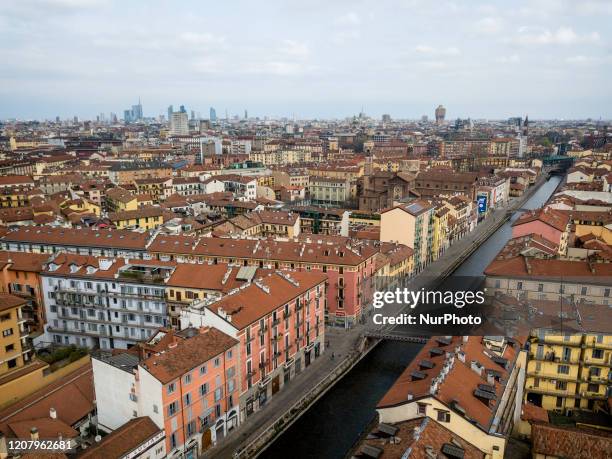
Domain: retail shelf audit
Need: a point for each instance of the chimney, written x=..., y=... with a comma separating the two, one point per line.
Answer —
x=491, y=379
x=52, y=413
x=34, y=433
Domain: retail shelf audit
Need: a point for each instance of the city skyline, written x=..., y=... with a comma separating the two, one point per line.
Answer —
x=481, y=60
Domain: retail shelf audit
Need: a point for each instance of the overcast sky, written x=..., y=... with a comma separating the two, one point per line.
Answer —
x=317, y=58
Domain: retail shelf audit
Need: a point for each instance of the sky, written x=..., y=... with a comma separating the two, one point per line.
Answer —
x=309, y=59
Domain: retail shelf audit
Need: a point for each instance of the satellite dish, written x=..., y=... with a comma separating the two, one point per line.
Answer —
x=97, y=438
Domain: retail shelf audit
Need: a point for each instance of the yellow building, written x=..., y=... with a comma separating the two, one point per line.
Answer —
x=440, y=232
x=16, y=196
x=120, y=199
x=570, y=371
x=14, y=350
x=145, y=218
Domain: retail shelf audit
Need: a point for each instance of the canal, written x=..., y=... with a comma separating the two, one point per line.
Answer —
x=333, y=424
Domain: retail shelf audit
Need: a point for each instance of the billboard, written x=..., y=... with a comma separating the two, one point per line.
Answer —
x=482, y=204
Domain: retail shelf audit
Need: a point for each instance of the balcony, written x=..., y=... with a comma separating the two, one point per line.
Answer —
x=263, y=363
x=299, y=323
x=263, y=330
x=275, y=322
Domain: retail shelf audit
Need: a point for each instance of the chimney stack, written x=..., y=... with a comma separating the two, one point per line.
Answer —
x=52, y=413
x=34, y=433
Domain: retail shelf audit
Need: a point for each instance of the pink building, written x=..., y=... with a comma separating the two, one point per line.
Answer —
x=348, y=263
x=546, y=222
x=187, y=382
x=279, y=321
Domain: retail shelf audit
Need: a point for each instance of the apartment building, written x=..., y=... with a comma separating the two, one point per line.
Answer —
x=103, y=303
x=569, y=371
x=262, y=223
x=319, y=220
x=21, y=277
x=410, y=224
x=120, y=199
x=433, y=183
x=144, y=218
x=158, y=187
x=328, y=190
x=15, y=352
x=549, y=223
x=532, y=278
x=193, y=282
x=278, y=320
x=84, y=241
x=187, y=382
x=124, y=173
x=348, y=264
x=471, y=386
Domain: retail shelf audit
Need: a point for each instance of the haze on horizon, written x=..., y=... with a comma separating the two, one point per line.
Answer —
x=316, y=59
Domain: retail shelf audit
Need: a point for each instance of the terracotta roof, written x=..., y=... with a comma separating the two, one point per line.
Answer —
x=534, y=268
x=339, y=250
x=431, y=437
x=253, y=302
x=460, y=382
x=123, y=440
x=119, y=239
x=556, y=441
x=219, y=277
x=532, y=413
x=8, y=301
x=549, y=216
x=23, y=261
x=143, y=212
x=188, y=354
x=72, y=397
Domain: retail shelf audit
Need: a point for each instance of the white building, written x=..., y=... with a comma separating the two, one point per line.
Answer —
x=179, y=124
x=103, y=302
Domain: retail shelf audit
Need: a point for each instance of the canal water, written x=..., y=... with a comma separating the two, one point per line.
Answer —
x=333, y=424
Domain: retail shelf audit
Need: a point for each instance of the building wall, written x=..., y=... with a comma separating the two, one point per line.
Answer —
x=113, y=387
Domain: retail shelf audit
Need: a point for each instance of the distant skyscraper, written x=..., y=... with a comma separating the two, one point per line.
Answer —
x=386, y=118
x=179, y=123
x=127, y=116
x=193, y=114
x=246, y=115
x=424, y=118
x=170, y=111
x=440, y=114
x=182, y=109
x=213, y=114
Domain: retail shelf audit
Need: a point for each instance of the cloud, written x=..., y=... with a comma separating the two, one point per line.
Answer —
x=196, y=38
x=582, y=60
x=489, y=25
x=430, y=50
x=349, y=19
x=561, y=36
x=345, y=36
x=513, y=59
x=295, y=49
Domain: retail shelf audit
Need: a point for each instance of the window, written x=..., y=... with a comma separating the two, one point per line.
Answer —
x=203, y=389
x=217, y=362
x=173, y=440
x=187, y=398
x=519, y=286
x=583, y=291
x=422, y=408
x=187, y=378
x=172, y=408
x=9, y=348
x=155, y=409
x=7, y=332
x=5, y=317
x=561, y=385
x=443, y=416
x=171, y=388
x=598, y=353
x=593, y=388
x=229, y=354
x=563, y=369
x=203, y=369
x=218, y=394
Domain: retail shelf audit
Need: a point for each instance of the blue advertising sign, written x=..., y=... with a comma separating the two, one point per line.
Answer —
x=482, y=204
